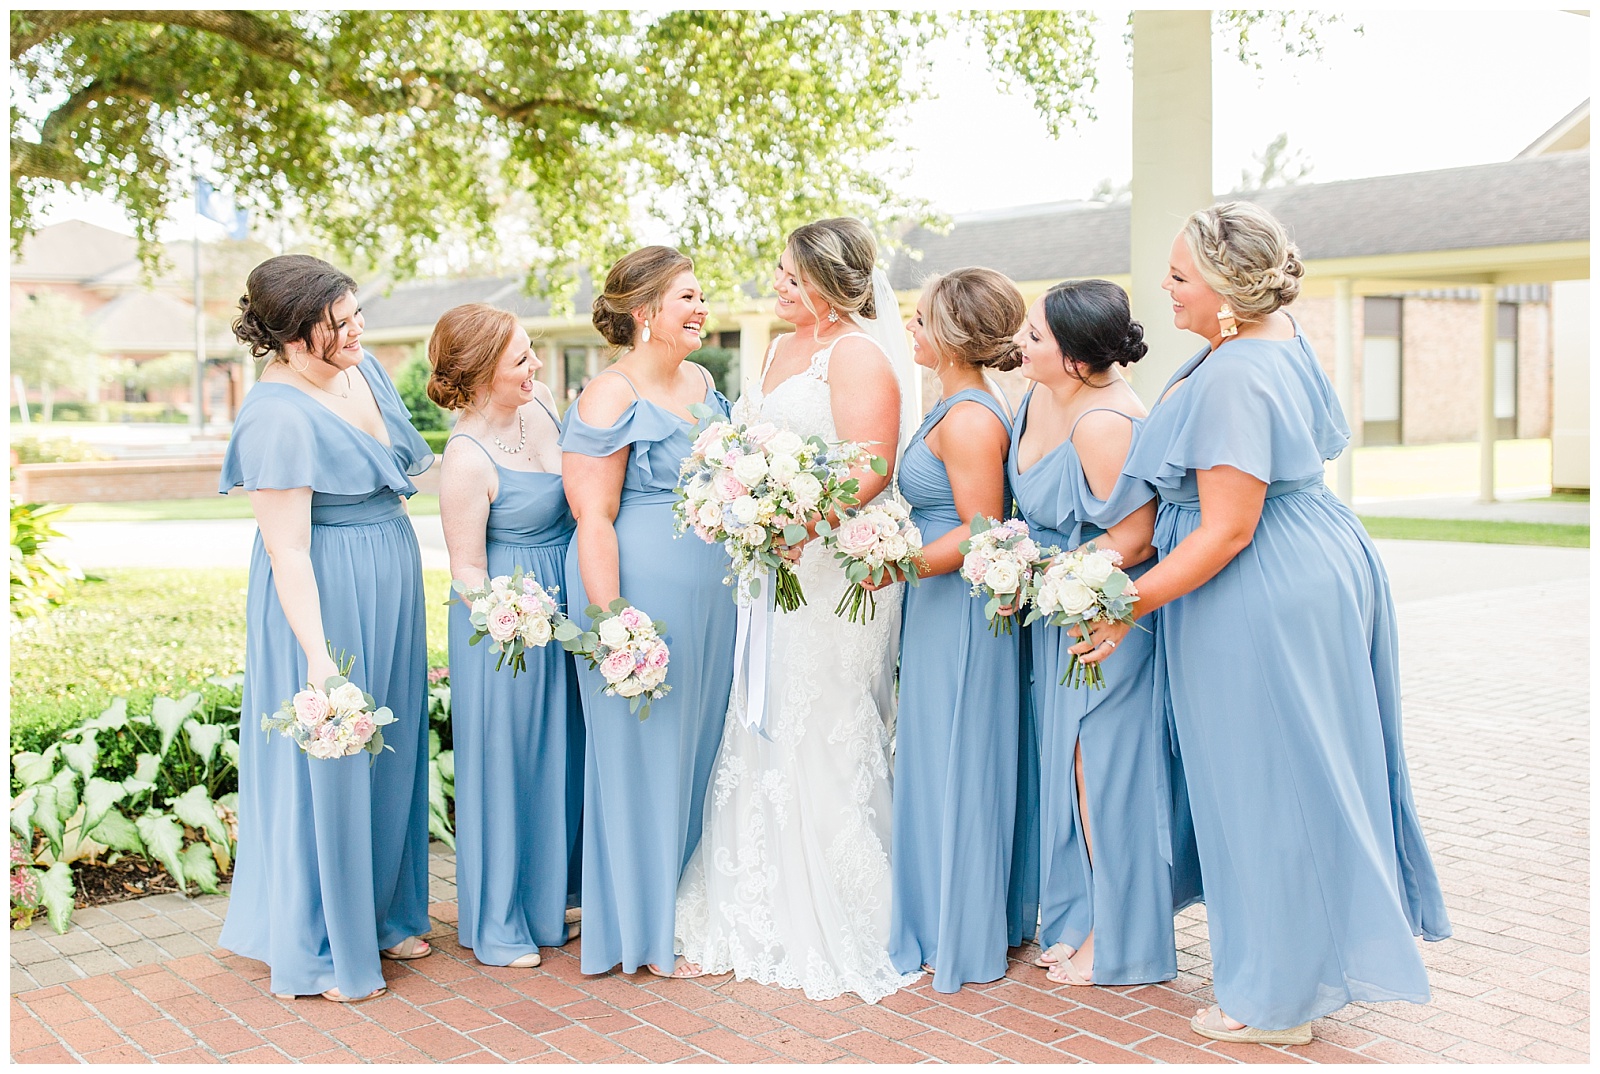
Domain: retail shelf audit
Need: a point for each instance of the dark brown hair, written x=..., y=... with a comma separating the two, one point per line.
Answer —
x=285, y=299
x=1093, y=325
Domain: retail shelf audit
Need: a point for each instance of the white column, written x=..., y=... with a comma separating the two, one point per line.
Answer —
x=553, y=374
x=755, y=335
x=1569, y=385
x=1486, y=418
x=1344, y=379
x=1171, y=171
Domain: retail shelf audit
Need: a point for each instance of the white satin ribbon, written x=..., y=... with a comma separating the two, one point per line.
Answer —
x=751, y=653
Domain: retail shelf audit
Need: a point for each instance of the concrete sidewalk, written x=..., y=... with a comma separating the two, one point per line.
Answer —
x=1531, y=506
x=1499, y=752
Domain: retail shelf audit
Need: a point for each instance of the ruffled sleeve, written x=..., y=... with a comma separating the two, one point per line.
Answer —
x=1261, y=406
x=273, y=446
x=411, y=452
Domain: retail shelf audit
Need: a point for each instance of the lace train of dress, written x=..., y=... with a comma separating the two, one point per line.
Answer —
x=790, y=885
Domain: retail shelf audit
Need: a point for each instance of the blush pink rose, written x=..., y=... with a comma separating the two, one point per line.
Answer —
x=633, y=618
x=502, y=624
x=657, y=657
x=857, y=535
x=362, y=727
x=310, y=707
x=728, y=488
x=617, y=666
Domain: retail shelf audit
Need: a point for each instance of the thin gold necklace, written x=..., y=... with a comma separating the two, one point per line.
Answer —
x=347, y=385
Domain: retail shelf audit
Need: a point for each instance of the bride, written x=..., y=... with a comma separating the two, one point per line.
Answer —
x=790, y=883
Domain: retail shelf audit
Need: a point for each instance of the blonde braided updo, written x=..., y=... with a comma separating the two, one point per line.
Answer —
x=1244, y=255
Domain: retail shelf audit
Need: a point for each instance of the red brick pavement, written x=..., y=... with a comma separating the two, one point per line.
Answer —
x=1500, y=767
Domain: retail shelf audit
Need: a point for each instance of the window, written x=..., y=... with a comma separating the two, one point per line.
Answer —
x=1380, y=371
x=575, y=370
x=1505, y=372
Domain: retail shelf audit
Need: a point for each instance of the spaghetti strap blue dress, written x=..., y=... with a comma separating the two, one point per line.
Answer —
x=1124, y=892
x=1285, y=690
x=333, y=854
x=956, y=751
x=518, y=745
x=645, y=781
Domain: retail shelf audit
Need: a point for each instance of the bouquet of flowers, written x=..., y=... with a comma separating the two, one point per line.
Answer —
x=1000, y=561
x=870, y=542
x=337, y=720
x=626, y=645
x=1084, y=586
x=744, y=486
x=515, y=613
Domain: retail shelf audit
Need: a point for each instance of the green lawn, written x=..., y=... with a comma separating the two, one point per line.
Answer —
x=234, y=506
x=142, y=633
x=1487, y=532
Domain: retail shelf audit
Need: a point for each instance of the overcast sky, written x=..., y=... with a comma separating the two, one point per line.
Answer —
x=1417, y=90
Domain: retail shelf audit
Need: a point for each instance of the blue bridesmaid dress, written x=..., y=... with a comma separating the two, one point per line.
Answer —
x=333, y=854
x=518, y=745
x=645, y=781
x=1125, y=895
x=1285, y=689
x=956, y=752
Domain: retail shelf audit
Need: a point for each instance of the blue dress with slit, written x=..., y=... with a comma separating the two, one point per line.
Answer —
x=333, y=854
x=956, y=751
x=1124, y=891
x=1284, y=683
x=518, y=744
x=645, y=781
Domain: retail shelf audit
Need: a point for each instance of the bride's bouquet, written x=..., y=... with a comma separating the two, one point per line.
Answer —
x=1078, y=589
x=870, y=542
x=516, y=614
x=626, y=645
x=1000, y=560
x=745, y=486
x=338, y=719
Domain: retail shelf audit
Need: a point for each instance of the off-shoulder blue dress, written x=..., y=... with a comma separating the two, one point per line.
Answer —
x=1126, y=893
x=518, y=745
x=333, y=854
x=956, y=751
x=645, y=782
x=1285, y=690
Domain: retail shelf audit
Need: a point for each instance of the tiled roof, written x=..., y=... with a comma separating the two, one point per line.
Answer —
x=1525, y=201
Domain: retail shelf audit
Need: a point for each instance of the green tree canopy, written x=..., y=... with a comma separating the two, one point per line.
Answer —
x=389, y=131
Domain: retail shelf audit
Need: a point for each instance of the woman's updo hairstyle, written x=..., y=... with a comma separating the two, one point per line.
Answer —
x=1093, y=326
x=464, y=349
x=637, y=279
x=1245, y=256
x=835, y=258
x=284, y=299
x=972, y=314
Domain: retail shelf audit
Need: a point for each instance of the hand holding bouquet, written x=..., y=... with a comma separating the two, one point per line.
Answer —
x=746, y=486
x=872, y=542
x=1080, y=588
x=337, y=720
x=1000, y=561
x=626, y=645
x=515, y=613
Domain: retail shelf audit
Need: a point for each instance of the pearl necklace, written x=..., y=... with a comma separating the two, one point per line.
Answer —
x=522, y=437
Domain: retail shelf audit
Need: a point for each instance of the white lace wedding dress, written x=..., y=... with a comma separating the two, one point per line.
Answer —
x=790, y=883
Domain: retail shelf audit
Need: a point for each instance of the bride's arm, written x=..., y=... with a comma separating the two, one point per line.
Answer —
x=866, y=407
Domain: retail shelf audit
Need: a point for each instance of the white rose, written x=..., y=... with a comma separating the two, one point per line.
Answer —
x=913, y=536
x=347, y=699
x=783, y=470
x=1095, y=569
x=709, y=515
x=613, y=635
x=631, y=688
x=1075, y=598
x=1048, y=598
x=807, y=490
x=785, y=443
x=651, y=677
x=895, y=548
x=750, y=469
x=745, y=509
x=752, y=535
x=716, y=451
x=536, y=631
x=1002, y=576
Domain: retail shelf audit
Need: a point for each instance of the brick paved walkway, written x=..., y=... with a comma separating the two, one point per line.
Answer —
x=1500, y=761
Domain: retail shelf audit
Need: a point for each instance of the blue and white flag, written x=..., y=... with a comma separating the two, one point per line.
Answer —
x=209, y=205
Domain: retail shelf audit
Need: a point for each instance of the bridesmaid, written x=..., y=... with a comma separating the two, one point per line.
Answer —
x=518, y=740
x=645, y=781
x=1103, y=753
x=333, y=854
x=956, y=750
x=1278, y=639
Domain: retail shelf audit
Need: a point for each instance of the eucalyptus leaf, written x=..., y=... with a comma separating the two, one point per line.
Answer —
x=57, y=893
